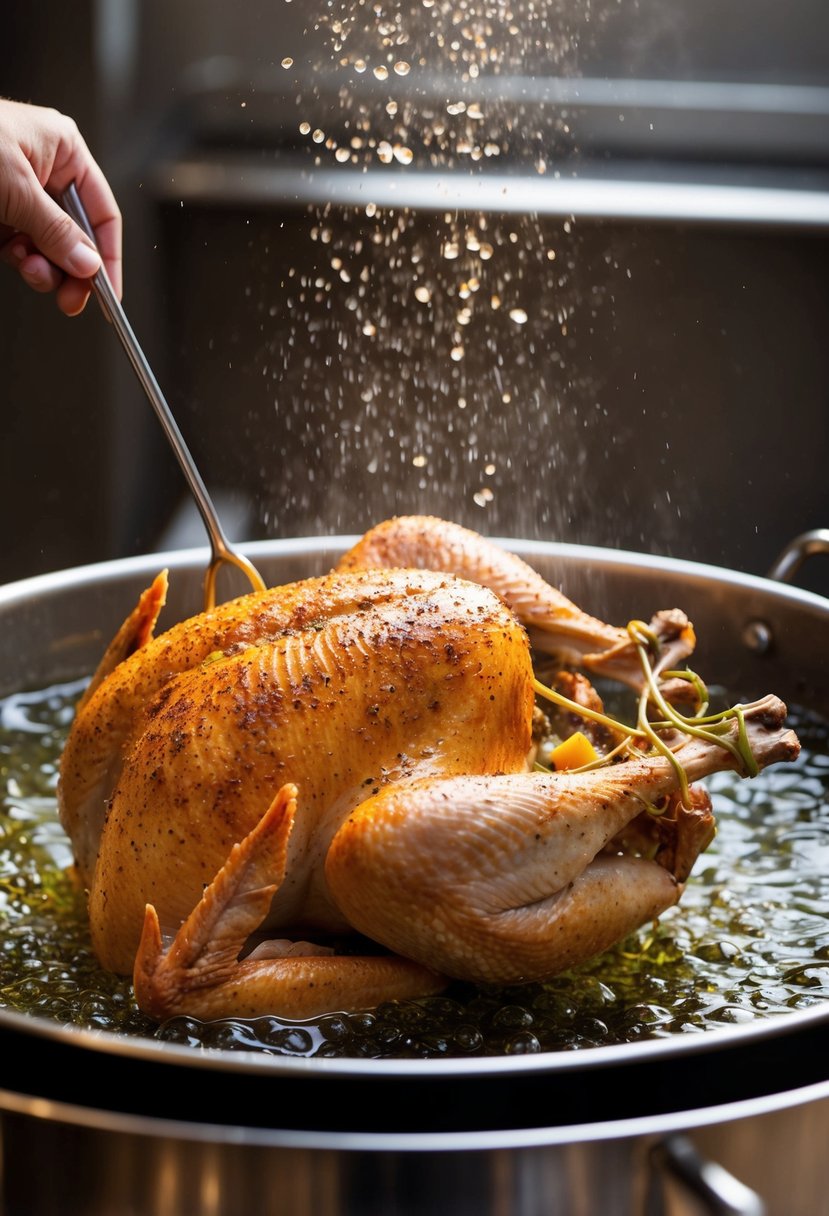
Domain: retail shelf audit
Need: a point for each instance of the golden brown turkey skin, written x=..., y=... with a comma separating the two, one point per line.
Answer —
x=137, y=666
x=424, y=541
x=556, y=625
x=200, y=972
x=519, y=876
x=506, y=877
x=428, y=676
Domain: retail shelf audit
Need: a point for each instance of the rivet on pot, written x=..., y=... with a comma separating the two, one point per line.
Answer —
x=757, y=637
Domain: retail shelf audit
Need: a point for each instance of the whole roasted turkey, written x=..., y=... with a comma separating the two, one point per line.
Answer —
x=353, y=755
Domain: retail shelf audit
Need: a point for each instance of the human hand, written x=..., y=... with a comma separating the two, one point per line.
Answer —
x=41, y=152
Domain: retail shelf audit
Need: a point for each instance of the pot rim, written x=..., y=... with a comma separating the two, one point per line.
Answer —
x=331, y=547
x=239, y=1061
x=328, y=548
x=408, y=1142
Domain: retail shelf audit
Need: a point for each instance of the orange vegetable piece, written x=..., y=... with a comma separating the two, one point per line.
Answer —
x=573, y=752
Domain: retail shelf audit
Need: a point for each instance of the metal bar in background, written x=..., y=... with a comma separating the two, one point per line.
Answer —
x=230, y=179
x=748, y=121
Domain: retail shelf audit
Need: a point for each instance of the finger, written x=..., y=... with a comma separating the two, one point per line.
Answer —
x=15, y=249
x=75, y=163
x=51, y=154
x=44, y=221
x=72, y=295
x=55, y=235
x=39, y=273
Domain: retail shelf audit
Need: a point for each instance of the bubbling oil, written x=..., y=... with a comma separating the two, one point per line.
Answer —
x=750, y=939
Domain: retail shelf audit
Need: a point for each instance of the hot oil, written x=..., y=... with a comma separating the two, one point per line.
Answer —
x=749, y=940
x=47, y=966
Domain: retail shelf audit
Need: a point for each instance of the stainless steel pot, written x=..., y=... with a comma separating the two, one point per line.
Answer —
x=96, y=1124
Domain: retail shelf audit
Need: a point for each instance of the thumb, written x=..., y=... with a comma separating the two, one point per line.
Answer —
x=58, y=237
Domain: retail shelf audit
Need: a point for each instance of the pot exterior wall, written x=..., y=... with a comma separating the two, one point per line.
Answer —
x=103, y=1173
x=776, y=1161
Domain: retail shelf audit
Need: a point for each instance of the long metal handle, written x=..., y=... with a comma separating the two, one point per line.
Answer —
x=111, y=307
x=113, y=311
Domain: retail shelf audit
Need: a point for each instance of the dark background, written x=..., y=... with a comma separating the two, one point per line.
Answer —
x=683, y=412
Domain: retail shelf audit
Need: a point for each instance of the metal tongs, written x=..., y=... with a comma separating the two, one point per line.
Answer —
x=221, y=551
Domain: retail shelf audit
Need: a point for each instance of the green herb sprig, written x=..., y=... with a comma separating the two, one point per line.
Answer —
x=700, y=724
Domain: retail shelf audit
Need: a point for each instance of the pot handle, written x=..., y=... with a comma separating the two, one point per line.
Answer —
x=796, y=551
x=714, y=1190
